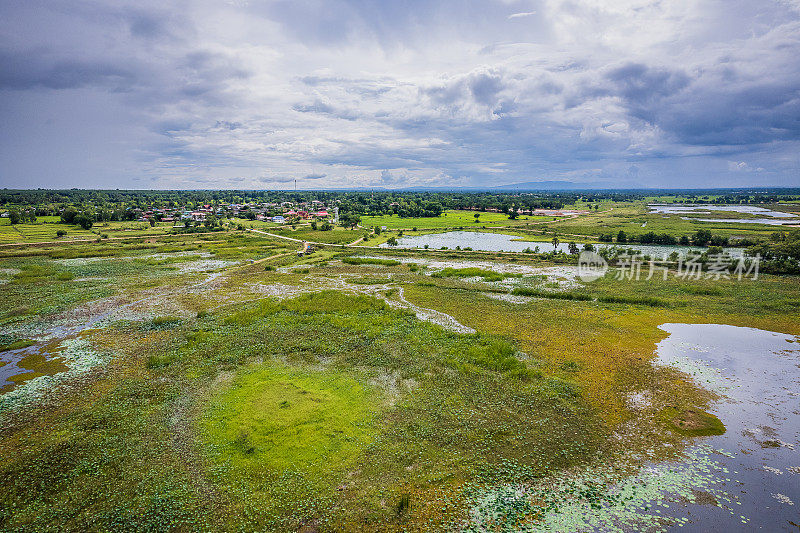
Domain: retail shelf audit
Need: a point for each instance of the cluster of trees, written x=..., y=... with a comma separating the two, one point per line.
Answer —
x=349, y=220
x=740, y=198
x=22, y=216
x=70, y=215
x=105, y=205
x=325, y=226
x=700, y=238
x=431, y=204
x=780, y=255
x=414, y=209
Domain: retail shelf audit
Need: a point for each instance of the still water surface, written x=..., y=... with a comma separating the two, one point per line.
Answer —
x=757, y=374
x=499, y=242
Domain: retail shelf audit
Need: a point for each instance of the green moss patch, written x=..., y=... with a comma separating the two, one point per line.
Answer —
x=693, y=422
x=9, y=342
x=275, y=421
x=369, y=261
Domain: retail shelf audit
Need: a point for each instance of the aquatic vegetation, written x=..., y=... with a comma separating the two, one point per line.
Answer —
x=305, y=392
x=692, y=422
x=368, y=281
x=473, y=272
x=10, y=342
x=603, y=498
x=33, y=273
x=470, y=408
x=161, y=322
x=280, y=436
x=77, y=354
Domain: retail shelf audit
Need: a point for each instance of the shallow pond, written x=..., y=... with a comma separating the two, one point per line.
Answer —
x=58, y=349
x=20, y=365
x=767, y=221
x=499, y=242
x=776, y=218
x=757, y=374
x=708, y=208
x=747, y=479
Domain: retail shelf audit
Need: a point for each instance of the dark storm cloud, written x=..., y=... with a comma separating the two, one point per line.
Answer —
x=640, y=84
x=350, y=92
x=739, y=115
x=38, y=68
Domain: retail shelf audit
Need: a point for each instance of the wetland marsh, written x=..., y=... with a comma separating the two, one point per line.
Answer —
x=226, y=382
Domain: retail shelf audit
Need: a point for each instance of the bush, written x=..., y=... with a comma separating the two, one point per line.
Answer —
x=68, y=215
x=497, y=356
x=536, y=293
x=83, y=221
x=640, y=300
x=369, y=261
x=702, y=237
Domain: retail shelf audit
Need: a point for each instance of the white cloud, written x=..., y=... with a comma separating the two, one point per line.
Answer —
x=742, y=166
x=521, y=15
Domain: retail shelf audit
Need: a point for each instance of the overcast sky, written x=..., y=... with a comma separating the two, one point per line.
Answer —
x=343, y=93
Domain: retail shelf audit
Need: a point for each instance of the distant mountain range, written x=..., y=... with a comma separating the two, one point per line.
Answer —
x=553, y=185
x=558, y=185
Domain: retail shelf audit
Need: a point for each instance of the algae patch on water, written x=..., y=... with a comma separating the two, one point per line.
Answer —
x=9, y=342
x=693, y=422
x=609, y=498
x=34, y=366
x=74, y=356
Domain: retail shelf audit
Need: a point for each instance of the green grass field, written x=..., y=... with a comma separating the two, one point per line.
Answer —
x=46, y=230
x=448, y=219
x=337, y=235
